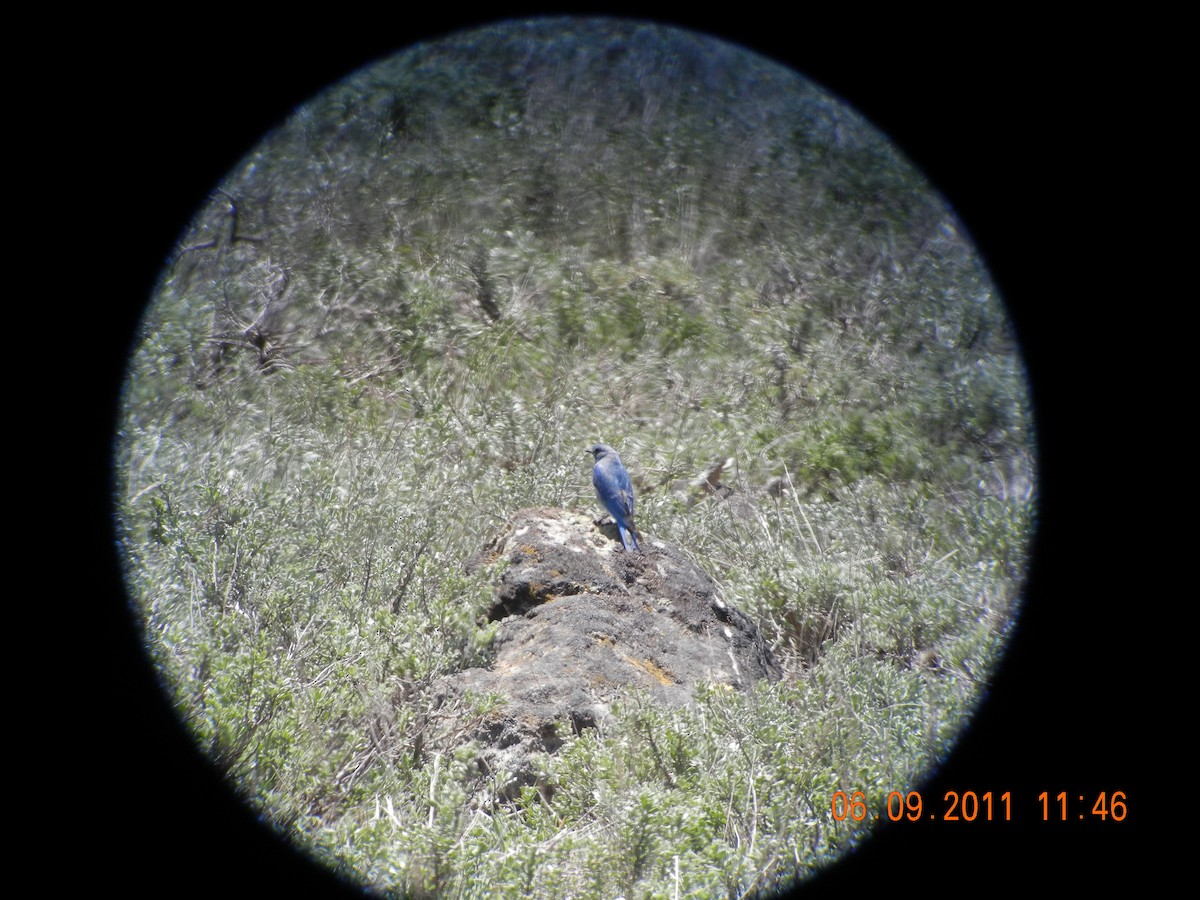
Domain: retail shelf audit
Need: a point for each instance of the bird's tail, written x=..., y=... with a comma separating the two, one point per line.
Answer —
x=629, y=536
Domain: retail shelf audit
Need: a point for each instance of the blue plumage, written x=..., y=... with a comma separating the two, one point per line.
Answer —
x=615, y=491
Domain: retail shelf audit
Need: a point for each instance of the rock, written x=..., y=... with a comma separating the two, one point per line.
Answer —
x=583, y=624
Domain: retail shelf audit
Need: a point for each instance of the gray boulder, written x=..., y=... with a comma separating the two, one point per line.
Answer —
x=583, y=623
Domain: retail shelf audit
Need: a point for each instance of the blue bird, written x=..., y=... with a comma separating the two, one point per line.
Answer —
x=615, y=491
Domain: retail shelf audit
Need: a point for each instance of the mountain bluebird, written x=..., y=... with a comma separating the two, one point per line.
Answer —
x=615, y=491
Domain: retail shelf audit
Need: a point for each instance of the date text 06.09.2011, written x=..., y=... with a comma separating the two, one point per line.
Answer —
x=969, y=806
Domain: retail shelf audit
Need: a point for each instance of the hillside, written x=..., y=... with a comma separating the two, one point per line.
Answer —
x=408, y=313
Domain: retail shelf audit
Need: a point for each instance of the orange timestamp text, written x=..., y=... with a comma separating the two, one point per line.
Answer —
x=970, y=806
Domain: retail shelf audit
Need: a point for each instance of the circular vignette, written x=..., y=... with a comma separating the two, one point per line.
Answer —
x=470, y=194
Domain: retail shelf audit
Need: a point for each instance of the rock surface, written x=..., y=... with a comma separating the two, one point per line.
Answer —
x=582, y=624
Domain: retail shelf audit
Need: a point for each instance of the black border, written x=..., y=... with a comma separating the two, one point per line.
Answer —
x=991, y=114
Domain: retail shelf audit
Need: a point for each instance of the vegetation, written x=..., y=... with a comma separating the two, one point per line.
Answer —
x=409, y=313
